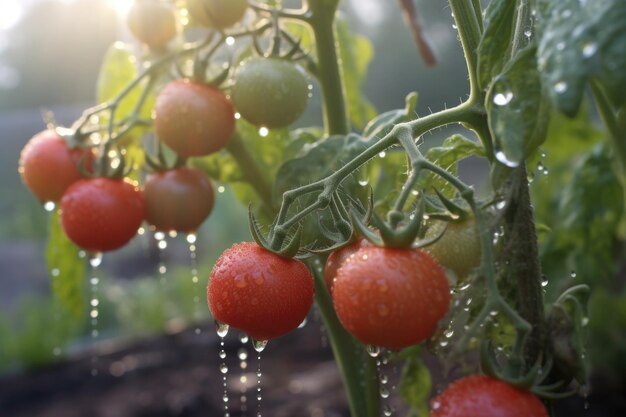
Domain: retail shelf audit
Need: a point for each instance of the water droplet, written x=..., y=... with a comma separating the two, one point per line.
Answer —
x=449, y=333
x=222, y=354
x=263, y=131
x=372, y=350
x=387, y=410
x=585, y=321
x=382, y=154
x=95, y=259
x=363, y=183
x=243, y=338
x=560, y=87
x=221, y=189
x=502, y=99
x=501, y=156
x=572, y=274
x=384, y=379
x=501, y=204
x=544, y=283
x=302, y=324
x=222, y=329
x=384, y=392
x=223, y=368
x=242, y=354
x=436, y=405
x=590, y=49
x=191, y=238
x=230, y=41
x=528, y=33
x=259, y=345
x=49, y=206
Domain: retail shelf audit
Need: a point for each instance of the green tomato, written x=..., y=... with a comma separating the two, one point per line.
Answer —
x=458, y=249
x=270, y=92
x=217, y=14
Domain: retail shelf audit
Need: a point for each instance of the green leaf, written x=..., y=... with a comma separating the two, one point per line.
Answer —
x=590, y=210
x=579, y=40
x=495, y=43
x=355, y=52
x=66, y=269
x=416, y=385
x=382, y=124
x=518, y=113
x=454, y=149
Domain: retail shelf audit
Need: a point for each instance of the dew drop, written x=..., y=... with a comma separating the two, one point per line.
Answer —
x=49, y=206
x=263, y=132
x=372, y=350
x=230, y=41
x=382, y=154
x=222, y=329
x=363, y=183
x=572, y=274
x=502, y=99
x=560, y=87
x=501, y=156
x=501, y=204
x=259, y=345
x=590, y=49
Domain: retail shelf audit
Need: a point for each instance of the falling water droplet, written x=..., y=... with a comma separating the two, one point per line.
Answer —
x=222, y=329
x=95, y=259
x=191, y=239
x=259, y=345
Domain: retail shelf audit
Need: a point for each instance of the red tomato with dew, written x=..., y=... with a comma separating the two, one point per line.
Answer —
x=391, y=298
x=102, y=214
x=48, y=166
x=259, y=292
x=482, y=396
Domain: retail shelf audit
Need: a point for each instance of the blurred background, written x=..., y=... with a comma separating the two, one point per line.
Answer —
x=50, y=53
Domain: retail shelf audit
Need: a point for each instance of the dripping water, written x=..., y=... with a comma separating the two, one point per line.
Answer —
x=193, y=263
x=95, y=260
x=242, y=354
x=259, y=346
x=222, y=331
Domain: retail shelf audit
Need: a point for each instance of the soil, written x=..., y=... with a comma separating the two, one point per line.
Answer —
x=177, y=375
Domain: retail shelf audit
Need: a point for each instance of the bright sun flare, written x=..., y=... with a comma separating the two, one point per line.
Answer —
x=121, y=6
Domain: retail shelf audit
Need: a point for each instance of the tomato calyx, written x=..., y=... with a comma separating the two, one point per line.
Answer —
x=160, y=163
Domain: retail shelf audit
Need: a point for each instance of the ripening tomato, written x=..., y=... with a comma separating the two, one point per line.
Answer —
x=152, y=22
x=458, y=248
x=270, y=92
x=259, y=292
x=217, y=14
x=391, y=298
x=48, y=166
x=193, y=119
x=482, y=396
x=178, y=199
x=101, y=214
x=337, y=258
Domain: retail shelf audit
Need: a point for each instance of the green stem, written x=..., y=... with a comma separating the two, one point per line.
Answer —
x=361, y=390
x=468, y=26
x=252, y=173
x=321, y=19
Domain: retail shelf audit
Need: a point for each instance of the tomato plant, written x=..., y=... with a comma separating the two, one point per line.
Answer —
x=259, y=292
x=270, y=92
x=481, y=396
x=390, y=297
x=193, y=119
x=101, y=214
x=178, y=199
x=48, y=165
x=152, y=22
x=537, y=72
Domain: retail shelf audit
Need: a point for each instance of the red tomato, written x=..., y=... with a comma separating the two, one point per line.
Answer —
x=193, y=119
x=391, y=298
x=48, y=166
x=335, y=259
x=178, y=199
x=259, y=292
x=101, y=214
x=482, y=396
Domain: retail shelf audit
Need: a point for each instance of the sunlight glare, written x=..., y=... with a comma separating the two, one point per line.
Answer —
x=10, y=13
x=121, y=6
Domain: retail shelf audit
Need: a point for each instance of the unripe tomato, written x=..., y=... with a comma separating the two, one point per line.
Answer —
x=270, y=92
x=259, y=292
x=101, y=214
x=152, y=22
x=458, y=248
x=178, y=199
x=391, y=298
x=482, y=396
x=217, y=14
x=193, y=119
x=48, y=166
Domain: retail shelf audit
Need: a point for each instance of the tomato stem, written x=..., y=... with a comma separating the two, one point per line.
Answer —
x=468, y=21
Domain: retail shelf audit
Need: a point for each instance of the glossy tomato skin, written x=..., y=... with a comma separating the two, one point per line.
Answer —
x=193, y=119
x=102, y=214
x=270, y=92
x=178, y=199
x=391, y=298
x=458, y=248
x=338, y=257
x=482, y=396
x=217, y=14
x=152, y=22
x=259, y=292
x=48, y=166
